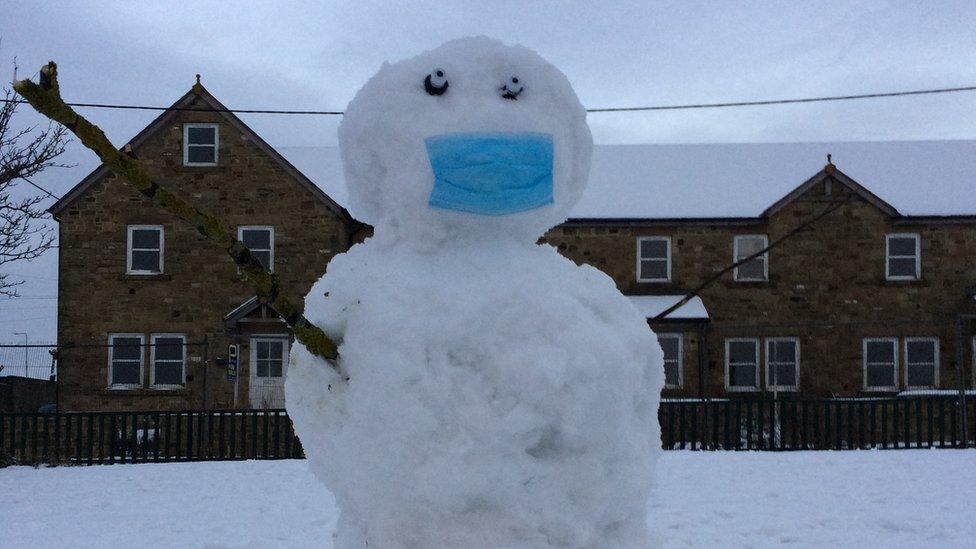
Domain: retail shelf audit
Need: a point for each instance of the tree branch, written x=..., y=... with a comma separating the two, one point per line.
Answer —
x=708, y=282
x=45, y=97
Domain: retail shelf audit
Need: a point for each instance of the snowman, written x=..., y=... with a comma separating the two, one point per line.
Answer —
x=499, y=395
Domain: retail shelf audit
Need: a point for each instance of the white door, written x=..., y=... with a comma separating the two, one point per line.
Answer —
x=269, y=361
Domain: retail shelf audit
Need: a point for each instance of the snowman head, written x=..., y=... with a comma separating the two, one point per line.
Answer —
x=473, y=139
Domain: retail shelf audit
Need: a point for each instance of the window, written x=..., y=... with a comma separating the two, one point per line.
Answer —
x=260, y=240
x=756, y=268
x=921, y=362
x=144, y=250
x=269, y=357
x=671, y=345
x=782, y=363
x=653, y=259
x=125, y=361
x=168, y=358
x=742, y=364
x=200, y=144
x=880, y=364
x=903, y=257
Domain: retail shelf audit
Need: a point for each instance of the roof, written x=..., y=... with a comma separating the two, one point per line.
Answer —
x=200, y=94
x=739, y=182
x=247, y=308
x=652, y=305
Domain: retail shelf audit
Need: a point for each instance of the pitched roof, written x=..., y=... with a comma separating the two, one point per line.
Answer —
x=831, y=172
x=200, y=94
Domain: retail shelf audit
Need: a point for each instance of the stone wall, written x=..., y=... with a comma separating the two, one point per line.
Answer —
x=826, y=285
x=199, y=283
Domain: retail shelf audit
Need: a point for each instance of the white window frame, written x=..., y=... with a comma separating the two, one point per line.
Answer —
x=285, y=355
x=796, y=364
x=667, y=241
x=142, y=361
x=152, y=362
x=129, y=249
x=680, y=365
x=186, y=144
x=936, y=366
x=269, y=228
x=864, y=364
x=764, y=257
x=889, y=257
x=757, y=347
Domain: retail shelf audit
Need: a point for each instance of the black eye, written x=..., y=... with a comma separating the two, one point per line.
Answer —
x=436, y=83
x=511, y=89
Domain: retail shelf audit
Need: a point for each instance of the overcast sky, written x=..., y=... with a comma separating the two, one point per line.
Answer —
x=315, y=55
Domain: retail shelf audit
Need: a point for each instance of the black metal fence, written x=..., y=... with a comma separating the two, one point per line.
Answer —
x=35, y=360
x=87, y=438
x=837, y=424
x=82, y=438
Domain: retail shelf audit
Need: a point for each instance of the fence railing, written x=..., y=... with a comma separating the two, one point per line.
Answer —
x=87, y=438
x=83, y=438
x=837, y=424
x=33, y=360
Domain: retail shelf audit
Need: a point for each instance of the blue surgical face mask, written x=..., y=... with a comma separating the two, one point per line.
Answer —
x=491, y=173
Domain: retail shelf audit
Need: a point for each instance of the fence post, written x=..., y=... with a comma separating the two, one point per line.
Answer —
x=962, y=381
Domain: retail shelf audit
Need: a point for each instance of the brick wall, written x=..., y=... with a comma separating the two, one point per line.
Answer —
x=826, y=285
x=199, y=285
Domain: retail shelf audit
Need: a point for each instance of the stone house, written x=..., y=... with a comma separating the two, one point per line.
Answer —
x=860, y=301
x=145, y=301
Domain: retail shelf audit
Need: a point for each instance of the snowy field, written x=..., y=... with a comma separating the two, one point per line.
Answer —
x=849, y=499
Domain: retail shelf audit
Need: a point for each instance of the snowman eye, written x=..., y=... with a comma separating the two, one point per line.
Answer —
x=436, y=82
x=512, y=88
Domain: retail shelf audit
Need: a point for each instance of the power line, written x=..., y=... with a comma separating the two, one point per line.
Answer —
x=785, y=101
x=40, y=188
x=763, y=102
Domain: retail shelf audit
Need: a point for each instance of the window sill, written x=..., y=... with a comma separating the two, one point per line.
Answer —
x=902, y=282
x=197, y=168
x=122, y=389
x=142, y=391
x=146, y=276
x=748, y=283
x=742, y=389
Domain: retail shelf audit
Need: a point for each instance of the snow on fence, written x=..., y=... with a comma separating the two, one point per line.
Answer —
x=87, y=438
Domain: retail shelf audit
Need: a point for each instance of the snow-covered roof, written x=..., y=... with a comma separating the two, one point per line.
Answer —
x=739, y=180
x=652, y=305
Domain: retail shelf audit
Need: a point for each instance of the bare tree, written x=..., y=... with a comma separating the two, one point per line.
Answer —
x=24, y=153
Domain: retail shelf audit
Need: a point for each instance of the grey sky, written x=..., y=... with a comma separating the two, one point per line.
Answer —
x=315, y=55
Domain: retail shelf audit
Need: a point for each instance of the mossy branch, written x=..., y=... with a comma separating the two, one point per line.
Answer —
x=45, y=97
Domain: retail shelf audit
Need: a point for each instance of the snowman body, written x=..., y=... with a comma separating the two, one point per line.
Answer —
x=499, y=395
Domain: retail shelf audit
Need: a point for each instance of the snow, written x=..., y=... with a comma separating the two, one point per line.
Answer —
x=740, y=179
x=902, y=498
x=384, y=136
x=652, y=305
x=499, y=394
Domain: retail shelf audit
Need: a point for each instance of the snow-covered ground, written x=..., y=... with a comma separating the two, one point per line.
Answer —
x=905, y=498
